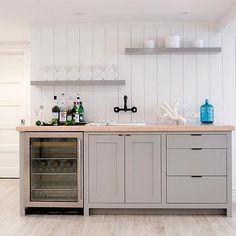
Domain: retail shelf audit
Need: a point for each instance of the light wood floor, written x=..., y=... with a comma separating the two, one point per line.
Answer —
x=41, y=225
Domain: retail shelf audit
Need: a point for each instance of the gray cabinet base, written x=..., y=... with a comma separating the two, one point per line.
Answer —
x=125, y=211
x=195, y=142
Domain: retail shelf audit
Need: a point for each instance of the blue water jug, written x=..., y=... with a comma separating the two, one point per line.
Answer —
x=207, y=113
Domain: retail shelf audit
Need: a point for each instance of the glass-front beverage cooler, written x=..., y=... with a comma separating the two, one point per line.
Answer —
x=54, y=165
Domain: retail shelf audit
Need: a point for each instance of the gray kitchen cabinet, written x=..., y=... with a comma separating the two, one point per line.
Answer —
x=158, y=170
x=143, y=168
x=106, y=168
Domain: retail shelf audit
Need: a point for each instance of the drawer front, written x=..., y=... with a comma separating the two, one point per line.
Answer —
x=186, y=190
x=196, y=162
x=196, y=141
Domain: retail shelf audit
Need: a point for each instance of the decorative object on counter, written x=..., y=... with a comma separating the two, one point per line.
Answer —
x=172, y=41
x=198, y=43
x=168, y=113
x=207, y=113
x=125, y=109
x=149, y=43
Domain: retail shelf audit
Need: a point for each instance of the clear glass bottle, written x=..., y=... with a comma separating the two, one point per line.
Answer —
x=63, y=110
x=207, y=113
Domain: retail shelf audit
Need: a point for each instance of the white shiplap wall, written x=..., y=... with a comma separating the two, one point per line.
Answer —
x=149, y=79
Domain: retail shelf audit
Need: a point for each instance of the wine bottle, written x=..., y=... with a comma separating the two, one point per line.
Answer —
x=74, y=111
x=77, y=115
x=69, y=115
x=55, y=112
x=63, y=111
x=81, y=112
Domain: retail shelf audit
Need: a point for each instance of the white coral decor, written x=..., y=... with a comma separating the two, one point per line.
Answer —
x=168, y=113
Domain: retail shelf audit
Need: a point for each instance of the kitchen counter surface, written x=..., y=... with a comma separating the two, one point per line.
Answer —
x=128, y=128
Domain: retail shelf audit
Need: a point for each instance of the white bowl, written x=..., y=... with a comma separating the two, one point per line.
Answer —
x=149, y=43
x=198, y=43
x=172, y=41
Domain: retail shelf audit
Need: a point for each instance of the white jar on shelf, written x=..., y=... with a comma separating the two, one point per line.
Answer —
x=198, y=43
x=149, y=43
x=172, y=41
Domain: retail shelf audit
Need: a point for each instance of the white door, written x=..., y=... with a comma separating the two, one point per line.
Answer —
x=13, y=103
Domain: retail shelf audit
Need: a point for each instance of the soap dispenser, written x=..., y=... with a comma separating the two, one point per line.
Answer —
x=207, y=113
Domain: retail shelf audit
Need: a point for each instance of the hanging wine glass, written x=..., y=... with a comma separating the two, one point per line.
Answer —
x=57, y=72
x=69, y=72
x=47, y=70
x=114, y=72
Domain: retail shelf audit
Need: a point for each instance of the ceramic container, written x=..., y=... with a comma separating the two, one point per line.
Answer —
x=198, y=43
x=172, y=41
x=149, y=43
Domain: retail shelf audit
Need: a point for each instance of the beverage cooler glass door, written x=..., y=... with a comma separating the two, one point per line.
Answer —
x=54, y=163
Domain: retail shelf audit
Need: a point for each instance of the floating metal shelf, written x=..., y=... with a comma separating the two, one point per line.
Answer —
x=77, y=82
x=166, y=51
x=53, y=173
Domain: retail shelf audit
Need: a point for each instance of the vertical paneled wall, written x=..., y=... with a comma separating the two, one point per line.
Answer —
x=91, y=52
x=150, y=80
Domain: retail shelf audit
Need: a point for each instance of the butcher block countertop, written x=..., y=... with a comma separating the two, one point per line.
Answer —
x=128, y=128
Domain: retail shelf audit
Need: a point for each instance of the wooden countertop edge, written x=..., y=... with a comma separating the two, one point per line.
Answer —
x=146, y=128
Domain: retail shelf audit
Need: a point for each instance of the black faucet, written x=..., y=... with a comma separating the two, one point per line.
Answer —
x=125, y=109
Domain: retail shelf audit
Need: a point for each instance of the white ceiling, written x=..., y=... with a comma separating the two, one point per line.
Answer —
x=17, y=15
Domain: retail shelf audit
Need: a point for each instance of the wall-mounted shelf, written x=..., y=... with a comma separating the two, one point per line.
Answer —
x=166, y=51
x=77, y=82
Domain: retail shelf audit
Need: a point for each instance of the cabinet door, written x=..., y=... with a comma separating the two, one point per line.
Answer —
x=106, y=169
x=143, y=168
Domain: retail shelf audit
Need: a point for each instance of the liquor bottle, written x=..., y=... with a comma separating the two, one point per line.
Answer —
x=81, y=112
x=69, y=116
x=55, y=112
x=74, y=111
x=77, y=114
x=207, y=113
x=63, y=111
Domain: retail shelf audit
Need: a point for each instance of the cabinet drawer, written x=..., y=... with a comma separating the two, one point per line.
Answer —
x=196, y=162
x=196, y=141
x=196, y=190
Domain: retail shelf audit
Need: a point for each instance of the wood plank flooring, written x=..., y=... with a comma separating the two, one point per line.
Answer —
x=12, y=224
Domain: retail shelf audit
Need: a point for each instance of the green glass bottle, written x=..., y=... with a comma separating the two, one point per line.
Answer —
x=81, y=112
x=74, y=111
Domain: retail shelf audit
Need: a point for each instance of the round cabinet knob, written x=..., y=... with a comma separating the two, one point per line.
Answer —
x=134, y=109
